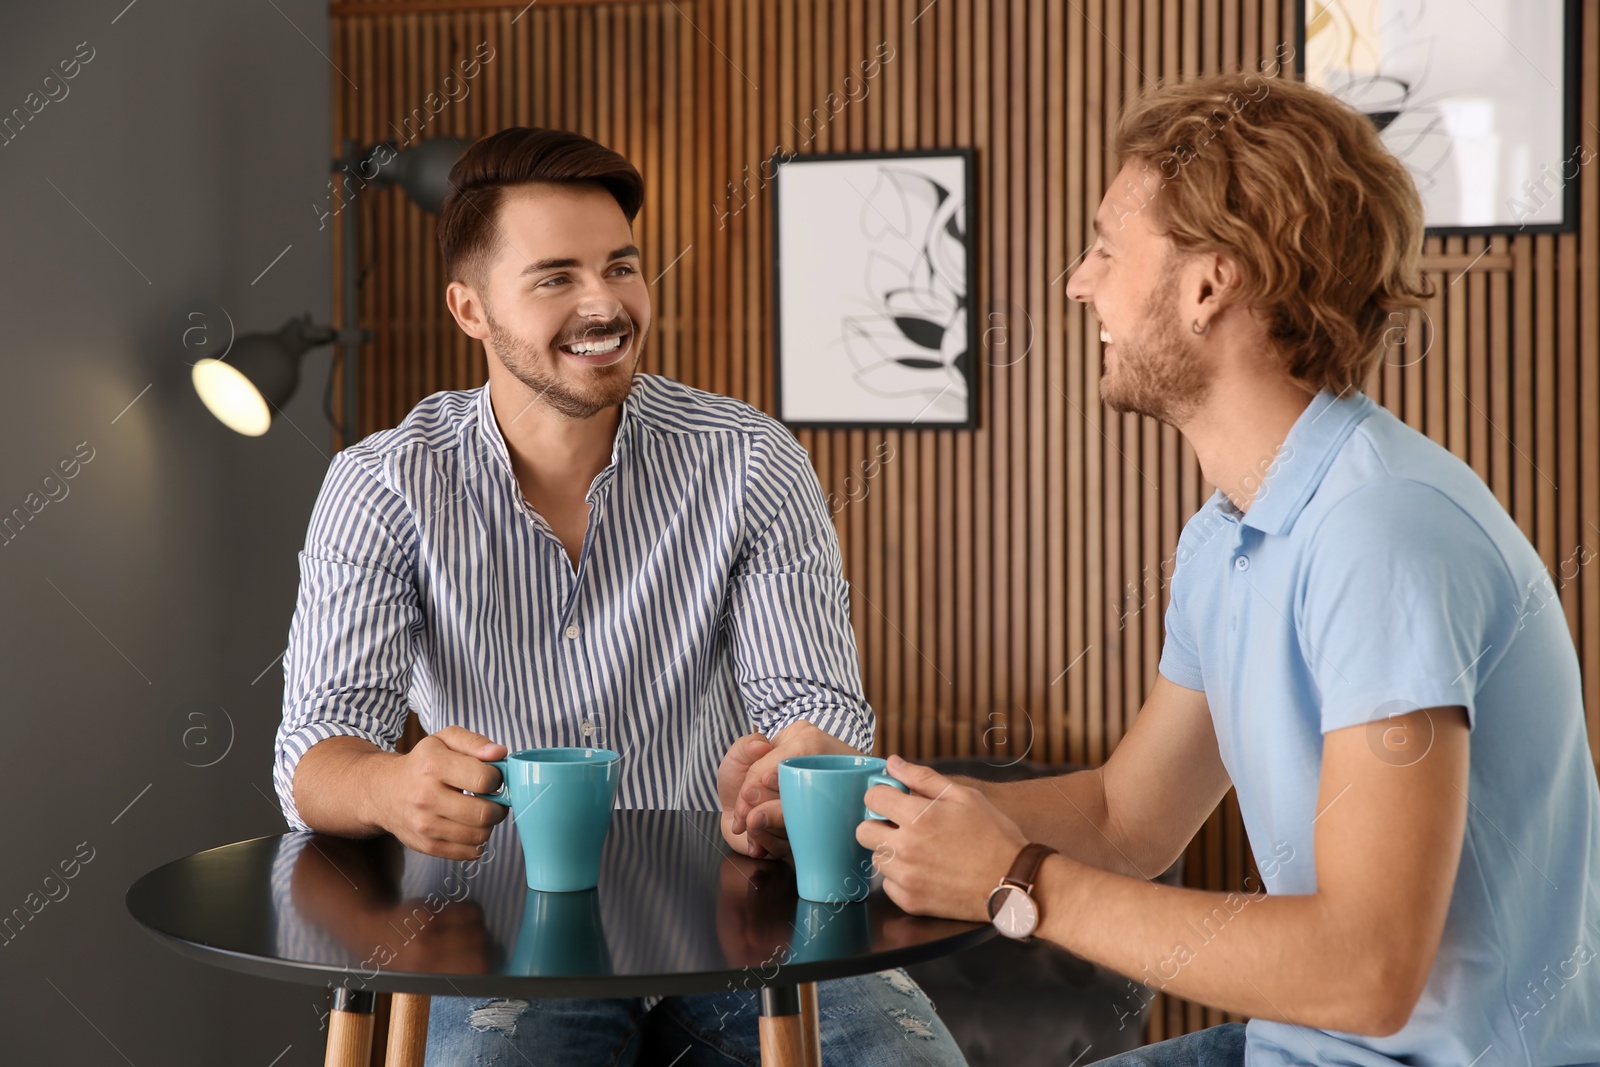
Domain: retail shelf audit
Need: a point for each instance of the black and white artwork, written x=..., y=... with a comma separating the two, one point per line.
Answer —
x=873, y=281
x=1476, y=97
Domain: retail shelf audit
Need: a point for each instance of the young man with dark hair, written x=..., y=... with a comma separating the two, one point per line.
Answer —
x=1351, y=643
x=574, y=554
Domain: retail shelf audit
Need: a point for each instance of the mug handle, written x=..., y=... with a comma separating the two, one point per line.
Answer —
x=503, y=794
x=883, y=779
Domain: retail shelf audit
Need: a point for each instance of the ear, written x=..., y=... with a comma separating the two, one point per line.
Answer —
x=468, y=308
x=1218, y=284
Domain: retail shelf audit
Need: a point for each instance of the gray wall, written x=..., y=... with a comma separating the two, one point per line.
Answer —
x=146, y=601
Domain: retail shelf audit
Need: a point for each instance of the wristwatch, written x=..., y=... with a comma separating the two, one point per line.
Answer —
x=1011, y=905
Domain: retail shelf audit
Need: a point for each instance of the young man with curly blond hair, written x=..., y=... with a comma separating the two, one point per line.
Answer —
x=1349, y=644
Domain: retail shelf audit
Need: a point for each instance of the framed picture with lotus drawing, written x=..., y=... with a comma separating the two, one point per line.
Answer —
x=873, y=290
x=1478, y=99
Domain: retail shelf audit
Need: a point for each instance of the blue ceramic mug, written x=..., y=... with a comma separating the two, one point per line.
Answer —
x=560, y=799
x=823, y=800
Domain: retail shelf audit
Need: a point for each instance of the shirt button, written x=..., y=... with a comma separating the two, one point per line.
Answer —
x=588, y=728
x=571, y=633
x=1240, y=563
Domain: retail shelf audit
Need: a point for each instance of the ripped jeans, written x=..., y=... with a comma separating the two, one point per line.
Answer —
x=873, y=1020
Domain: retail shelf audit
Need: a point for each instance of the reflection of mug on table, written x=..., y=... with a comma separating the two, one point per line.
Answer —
x=560, y=800
x=829, y=931
x=823, y=803
x=561, y=935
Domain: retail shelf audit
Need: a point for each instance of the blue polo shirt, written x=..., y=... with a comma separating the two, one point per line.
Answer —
x=1375, y=574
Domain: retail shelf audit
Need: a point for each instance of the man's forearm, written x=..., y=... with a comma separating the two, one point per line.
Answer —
x=337, y=784
x=1067, y=812
x=1226, y=950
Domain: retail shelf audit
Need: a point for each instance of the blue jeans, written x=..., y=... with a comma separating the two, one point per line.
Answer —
x=1220, y=1046
x=873, y=1020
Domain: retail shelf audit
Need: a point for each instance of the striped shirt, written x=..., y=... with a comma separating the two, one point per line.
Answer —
x=708, y=600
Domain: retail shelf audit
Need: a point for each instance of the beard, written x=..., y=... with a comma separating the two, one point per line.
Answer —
x=1160, y=374
x=577, y=396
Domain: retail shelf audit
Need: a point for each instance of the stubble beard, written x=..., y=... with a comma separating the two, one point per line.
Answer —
x=1161, y=375
x=537, y=368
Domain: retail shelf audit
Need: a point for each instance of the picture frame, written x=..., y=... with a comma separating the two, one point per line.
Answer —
x=874, y=290
x=1485, y=117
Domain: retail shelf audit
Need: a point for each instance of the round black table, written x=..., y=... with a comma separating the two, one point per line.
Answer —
x=676, y=912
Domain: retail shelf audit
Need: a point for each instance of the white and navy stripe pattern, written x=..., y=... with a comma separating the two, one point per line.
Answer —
x=709, y=599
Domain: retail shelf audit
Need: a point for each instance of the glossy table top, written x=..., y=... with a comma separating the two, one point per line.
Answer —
x=676, y=912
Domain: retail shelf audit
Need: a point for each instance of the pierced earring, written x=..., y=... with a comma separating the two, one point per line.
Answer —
x=1200, y=331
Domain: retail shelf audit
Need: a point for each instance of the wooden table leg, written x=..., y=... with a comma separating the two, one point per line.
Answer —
x=810, y=1024
x=408, y=1029
x=789, y=1028
x=350, y=1029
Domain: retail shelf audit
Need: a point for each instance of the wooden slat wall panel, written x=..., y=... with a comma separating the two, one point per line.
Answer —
x=1008, y=583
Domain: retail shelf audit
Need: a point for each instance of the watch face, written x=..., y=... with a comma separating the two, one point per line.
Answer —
x=1015, y=914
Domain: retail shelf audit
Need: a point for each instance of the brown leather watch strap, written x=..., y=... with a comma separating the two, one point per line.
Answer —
x=1026, y=866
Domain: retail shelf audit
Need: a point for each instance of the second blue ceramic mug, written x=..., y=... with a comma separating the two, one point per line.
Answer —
x=823, y=801
x=560, y=799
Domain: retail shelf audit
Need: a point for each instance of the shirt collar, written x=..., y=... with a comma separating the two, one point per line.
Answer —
x=495, y=442
x=1313, y=442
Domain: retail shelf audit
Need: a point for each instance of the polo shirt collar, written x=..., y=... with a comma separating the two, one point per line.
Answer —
x=1313, y=442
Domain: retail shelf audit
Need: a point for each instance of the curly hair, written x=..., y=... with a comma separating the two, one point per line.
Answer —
x=519, y=155
x=1295, y=187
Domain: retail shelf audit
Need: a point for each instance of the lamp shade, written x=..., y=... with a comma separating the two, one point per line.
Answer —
x=257, y=376
x=422, y=171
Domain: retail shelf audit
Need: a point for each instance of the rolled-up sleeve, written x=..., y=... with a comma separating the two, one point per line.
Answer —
x=794, y=652
x=347, y=670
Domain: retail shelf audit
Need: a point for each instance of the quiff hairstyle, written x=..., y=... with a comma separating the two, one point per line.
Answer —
x=520, y=155
x=1295, y=187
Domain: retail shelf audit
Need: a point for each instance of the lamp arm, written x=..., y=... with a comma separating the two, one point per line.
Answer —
x=310, y=334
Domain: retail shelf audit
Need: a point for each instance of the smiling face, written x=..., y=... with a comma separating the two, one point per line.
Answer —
x=1140, y=289
x=563, y=307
